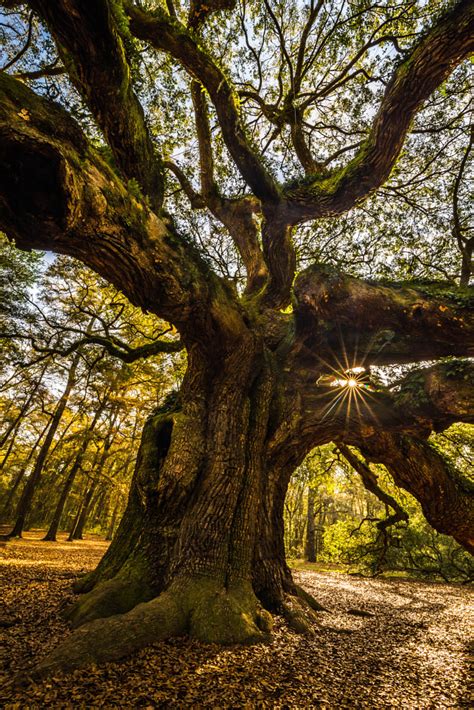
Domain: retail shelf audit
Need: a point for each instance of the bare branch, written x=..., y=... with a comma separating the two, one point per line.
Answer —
x=25, y=47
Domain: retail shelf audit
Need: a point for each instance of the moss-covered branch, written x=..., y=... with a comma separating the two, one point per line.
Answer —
x=449, y=42
x=338, y=316
x=57, y=193
x=90, y=44
x=315, y=409
x=446, y=497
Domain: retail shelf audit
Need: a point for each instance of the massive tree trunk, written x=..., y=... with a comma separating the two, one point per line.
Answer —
x=187, y=537
x=201, y=540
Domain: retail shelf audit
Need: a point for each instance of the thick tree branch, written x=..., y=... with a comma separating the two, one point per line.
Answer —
x=280, y=256
x=342, y=317
x=448, y=43
x=238, y=215
x=203, y=130
x=57, y=193
x=310, y=165
x=318, y=410
x=92, y=50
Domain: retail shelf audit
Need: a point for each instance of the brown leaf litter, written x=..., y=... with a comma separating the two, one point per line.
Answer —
x=407, y=647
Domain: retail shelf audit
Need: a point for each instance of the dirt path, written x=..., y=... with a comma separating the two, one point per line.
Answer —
x=412, y=653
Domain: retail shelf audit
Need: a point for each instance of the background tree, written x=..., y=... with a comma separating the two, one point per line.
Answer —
x=299, y=114
x=60, y=336
x=352, y=515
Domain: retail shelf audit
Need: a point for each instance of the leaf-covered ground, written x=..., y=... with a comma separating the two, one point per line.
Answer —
x=412, y=653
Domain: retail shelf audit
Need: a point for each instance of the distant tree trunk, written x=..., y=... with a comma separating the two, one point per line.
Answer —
x=5, y=513
x=98, y=512
x=10, y=446
x=14, y=425
x=56, y=519
x=77, y=530
x=310, y=547
x=319, y=532
x=466, y=263
x=26, y=499
x=113, y=521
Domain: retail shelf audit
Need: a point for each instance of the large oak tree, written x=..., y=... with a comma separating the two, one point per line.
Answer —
x=268, y=101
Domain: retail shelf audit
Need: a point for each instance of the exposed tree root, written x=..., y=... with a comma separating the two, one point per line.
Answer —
x=299, y=610
x=115, y=637
x=309, y=599
x=115, y=596
x=299, y=616
x=200, y=607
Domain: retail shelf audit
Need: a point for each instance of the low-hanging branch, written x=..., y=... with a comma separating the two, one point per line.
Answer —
x=429, y=399
x=369, y=479
x=116, y=347
x=422, y=470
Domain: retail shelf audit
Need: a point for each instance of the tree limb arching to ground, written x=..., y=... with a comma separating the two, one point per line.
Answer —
x=200, y=547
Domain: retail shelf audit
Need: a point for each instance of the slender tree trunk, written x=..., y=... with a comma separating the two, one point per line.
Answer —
x=320, y=530
x=26, y=499
x=113, y=521
x=22, y=413
x=10, y=446
x=466, y=263
x=77, y=532
x=77, y=529
x=5, y=513
x=98, y=511
x=56, y=519
x=310, y=547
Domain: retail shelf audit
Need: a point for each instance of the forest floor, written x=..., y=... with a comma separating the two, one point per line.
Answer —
x=412, y=653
